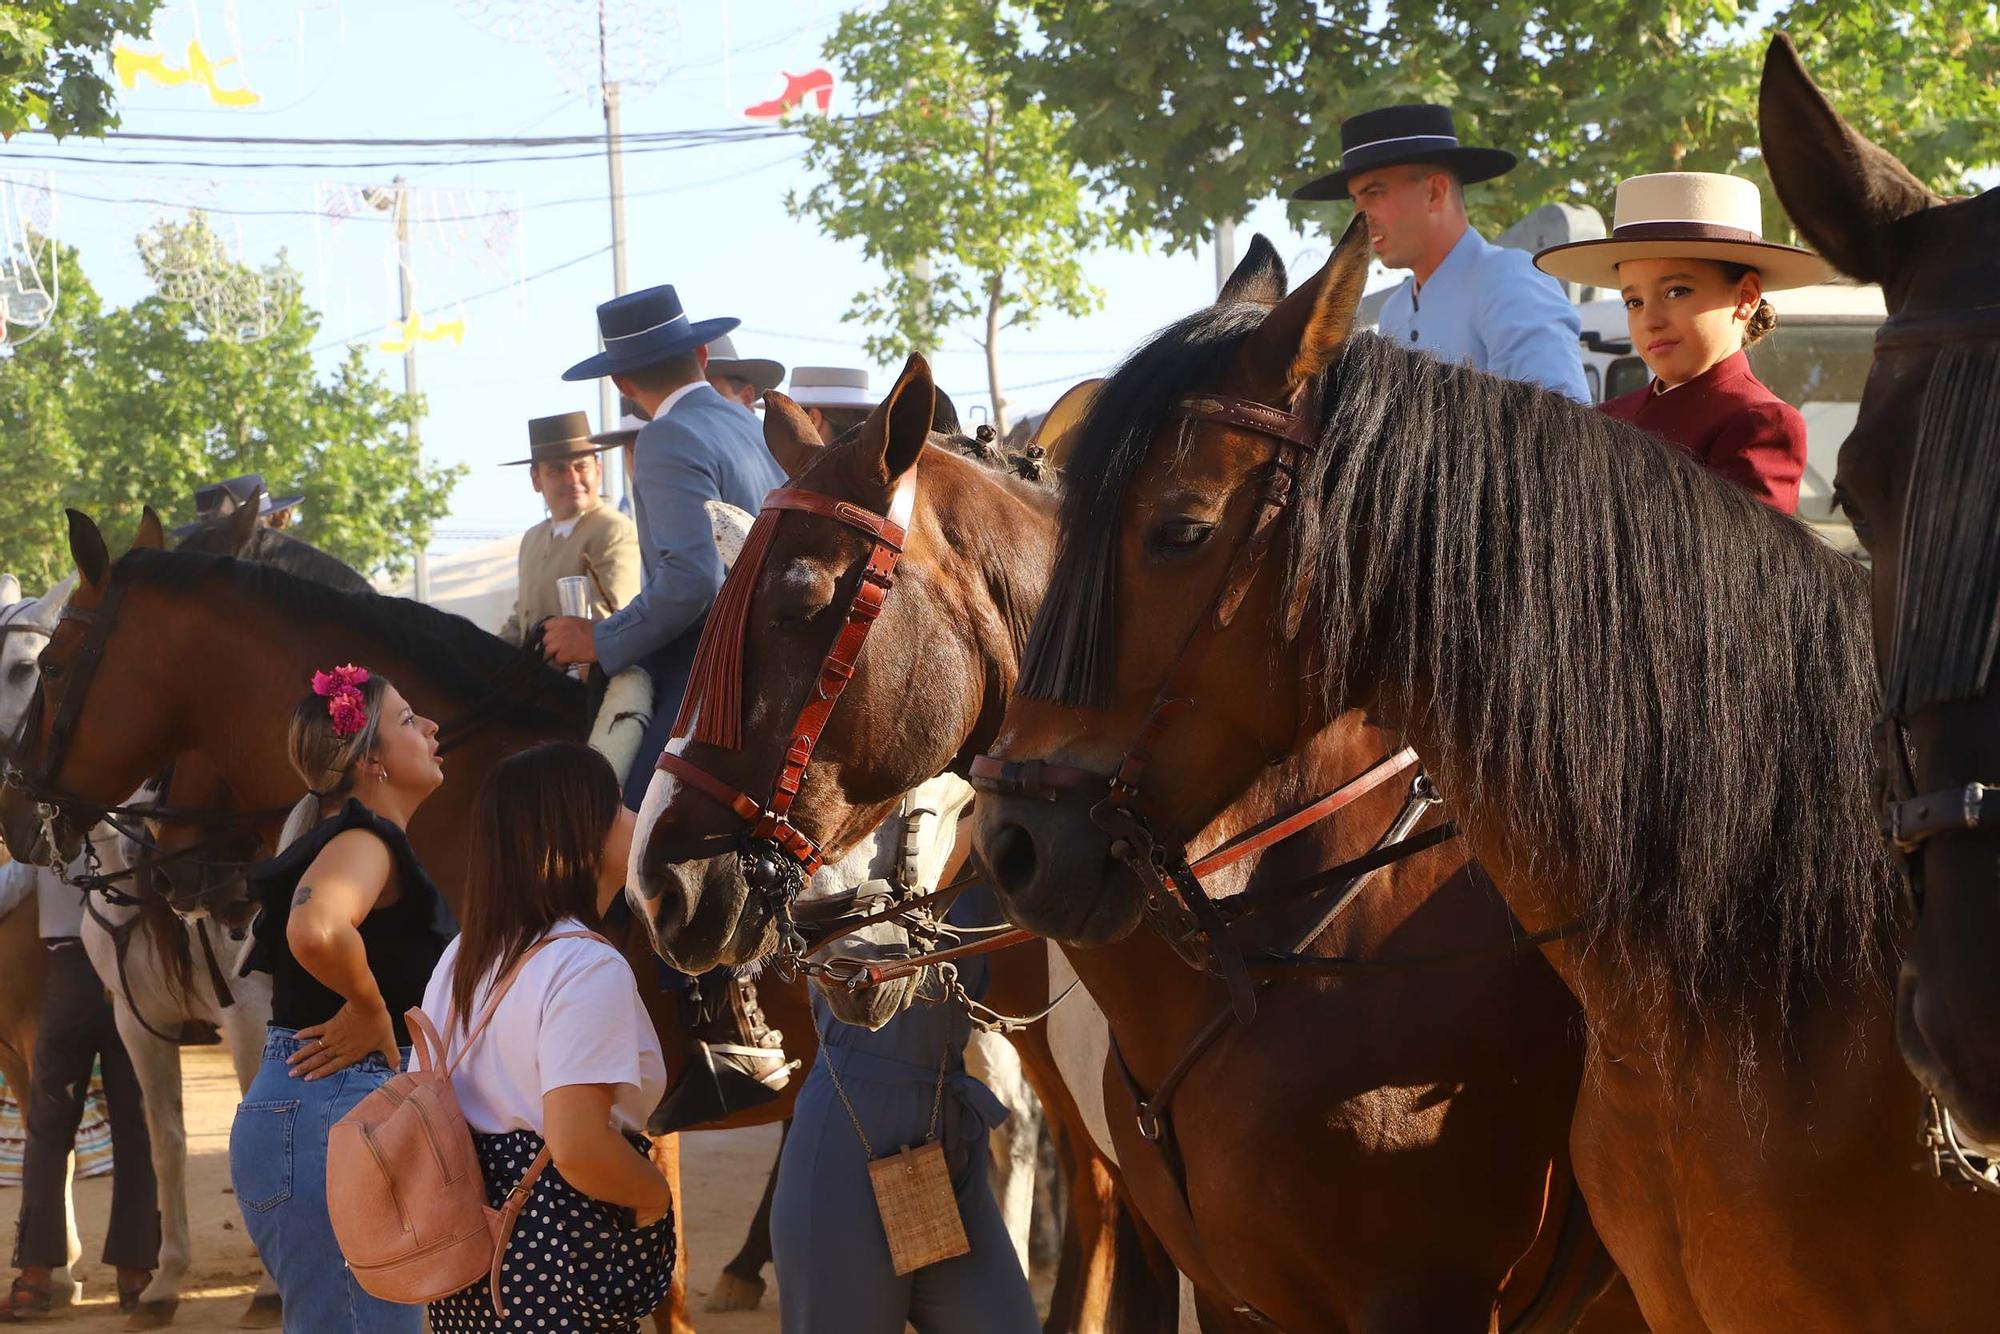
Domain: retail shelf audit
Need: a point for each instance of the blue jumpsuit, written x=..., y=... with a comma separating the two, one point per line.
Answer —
x=834, y=1272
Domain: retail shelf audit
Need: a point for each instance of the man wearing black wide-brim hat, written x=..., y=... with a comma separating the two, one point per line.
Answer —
x=1466, y=300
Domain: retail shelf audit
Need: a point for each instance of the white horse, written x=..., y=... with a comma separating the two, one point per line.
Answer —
x=154, y=995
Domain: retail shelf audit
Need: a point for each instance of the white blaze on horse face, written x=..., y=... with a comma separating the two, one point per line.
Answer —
x=660, y=793
x=22, y=651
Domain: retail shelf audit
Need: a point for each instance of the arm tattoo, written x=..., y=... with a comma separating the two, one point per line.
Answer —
x=299, y=899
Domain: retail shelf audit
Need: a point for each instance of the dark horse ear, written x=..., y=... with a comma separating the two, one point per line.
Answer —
x=1841, y=191
x=152, y=536
x=87, y=549
x=1304, y=333
x=1259, y=279
x=893, y=437
x=789, y=434
x=241, y=525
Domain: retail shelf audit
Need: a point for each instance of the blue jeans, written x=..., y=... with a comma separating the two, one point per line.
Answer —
x=277, y=1164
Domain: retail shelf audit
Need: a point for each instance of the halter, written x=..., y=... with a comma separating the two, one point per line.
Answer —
x=777, y=856
x=1177, y=905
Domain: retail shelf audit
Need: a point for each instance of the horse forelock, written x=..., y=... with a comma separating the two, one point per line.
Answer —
x=1948, y=605
x=1072, y=646
x=1663, y=688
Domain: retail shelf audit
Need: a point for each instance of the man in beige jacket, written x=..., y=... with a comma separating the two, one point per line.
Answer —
x=564, y=469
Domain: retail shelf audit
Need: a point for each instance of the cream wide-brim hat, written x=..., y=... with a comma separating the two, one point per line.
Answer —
x=1686, y=215
x=830, y=387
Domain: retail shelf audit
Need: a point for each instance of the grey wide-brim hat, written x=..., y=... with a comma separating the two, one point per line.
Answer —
x=763, y=374
x=218, y=500
x=624, y=433
x=830, y=387
x=552, y=439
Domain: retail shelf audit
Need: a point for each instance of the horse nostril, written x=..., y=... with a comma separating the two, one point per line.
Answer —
x=1013, y=858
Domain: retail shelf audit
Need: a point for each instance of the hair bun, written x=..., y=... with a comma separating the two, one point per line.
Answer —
x=1762, y=321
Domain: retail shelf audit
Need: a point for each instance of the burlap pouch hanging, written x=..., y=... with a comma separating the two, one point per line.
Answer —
x=912, y=1187
x=918, y=1206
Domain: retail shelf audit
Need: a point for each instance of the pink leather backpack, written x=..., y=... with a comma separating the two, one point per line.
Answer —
x=403, y=1185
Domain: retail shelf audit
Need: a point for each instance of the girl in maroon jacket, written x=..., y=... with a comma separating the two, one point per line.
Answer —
x=1688, y=255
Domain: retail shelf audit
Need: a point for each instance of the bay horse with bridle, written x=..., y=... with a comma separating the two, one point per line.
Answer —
x=1920, y=477
x=162, y=656
x=1646, y=697
x=1310, y=1166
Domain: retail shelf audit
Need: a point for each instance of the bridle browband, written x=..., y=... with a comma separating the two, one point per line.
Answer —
x=777, y=856
x=1177, y=905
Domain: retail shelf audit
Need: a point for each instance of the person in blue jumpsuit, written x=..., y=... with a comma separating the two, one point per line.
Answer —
x=834, y=1271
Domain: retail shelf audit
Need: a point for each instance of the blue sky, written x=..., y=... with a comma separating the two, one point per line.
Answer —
x=710, y=220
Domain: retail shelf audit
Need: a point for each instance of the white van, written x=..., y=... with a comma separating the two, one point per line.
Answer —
x=1816, y=359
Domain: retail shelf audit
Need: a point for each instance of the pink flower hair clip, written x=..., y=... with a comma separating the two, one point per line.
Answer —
x=341, y=689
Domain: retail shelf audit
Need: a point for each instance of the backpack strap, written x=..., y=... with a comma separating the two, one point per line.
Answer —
x=499, y=993
x=510, y=1211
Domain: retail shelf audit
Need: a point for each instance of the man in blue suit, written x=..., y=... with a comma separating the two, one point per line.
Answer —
x=697, y=446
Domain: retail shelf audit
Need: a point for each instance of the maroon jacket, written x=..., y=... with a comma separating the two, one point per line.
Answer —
x=1726, y=418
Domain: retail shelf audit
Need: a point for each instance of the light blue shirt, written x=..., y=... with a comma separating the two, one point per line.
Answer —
x=1489, y=307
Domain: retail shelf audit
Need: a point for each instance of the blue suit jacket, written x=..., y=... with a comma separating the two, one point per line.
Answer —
x=705, y=448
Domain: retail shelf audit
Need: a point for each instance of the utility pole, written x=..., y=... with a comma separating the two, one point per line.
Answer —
x=400, y=202
x=607, y=393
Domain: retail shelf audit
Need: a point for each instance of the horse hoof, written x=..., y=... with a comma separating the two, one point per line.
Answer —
x=153, y=1315
x=265, y=1312
x=734, y=1293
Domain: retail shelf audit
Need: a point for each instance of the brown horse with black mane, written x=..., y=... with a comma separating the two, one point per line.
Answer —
x=1920, y=477
x=1646, y=696
x=190, y=646
x=1382, y=1150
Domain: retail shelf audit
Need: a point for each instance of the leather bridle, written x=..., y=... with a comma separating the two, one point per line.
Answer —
x=1177, y=905
x=1910, y=817
x=777, y=856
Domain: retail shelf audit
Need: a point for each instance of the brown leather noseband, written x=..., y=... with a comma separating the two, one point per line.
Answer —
x=1177, y=905
x=778, y=856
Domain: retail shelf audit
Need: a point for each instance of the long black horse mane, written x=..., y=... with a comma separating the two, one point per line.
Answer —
x=1665, y=688
x=462, y=658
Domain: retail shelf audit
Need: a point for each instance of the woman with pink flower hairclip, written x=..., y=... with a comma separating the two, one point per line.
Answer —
x=349, y=928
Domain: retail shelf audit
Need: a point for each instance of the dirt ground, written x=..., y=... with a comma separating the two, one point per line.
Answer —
x=723, y=1174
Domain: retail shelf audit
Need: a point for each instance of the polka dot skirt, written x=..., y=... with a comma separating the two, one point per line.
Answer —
x=573, y=1263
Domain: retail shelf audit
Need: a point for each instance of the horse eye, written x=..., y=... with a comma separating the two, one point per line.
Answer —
x=1181, y=535
x=21, y=671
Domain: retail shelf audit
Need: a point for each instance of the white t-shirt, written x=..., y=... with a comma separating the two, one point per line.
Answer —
x=573, y=1016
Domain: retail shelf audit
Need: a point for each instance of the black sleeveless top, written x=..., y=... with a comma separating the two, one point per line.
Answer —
x=403, y=941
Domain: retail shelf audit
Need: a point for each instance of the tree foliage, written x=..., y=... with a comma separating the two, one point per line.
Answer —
x=52, y=57
x=108, y=410
x=943, y=165
x=1194, y=111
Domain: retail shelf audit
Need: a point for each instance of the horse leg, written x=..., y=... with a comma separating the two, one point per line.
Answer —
x=992, y=1060
x=158, y=1065
x=672, y=1316
x=242, y=1026
x=741, y=1286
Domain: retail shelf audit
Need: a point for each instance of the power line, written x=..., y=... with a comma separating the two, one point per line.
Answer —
x=476, y=296
x=224, y=211
x=721, y=133
x=379, y=164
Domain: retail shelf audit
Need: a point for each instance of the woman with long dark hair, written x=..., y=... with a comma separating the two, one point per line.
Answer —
x=349, y=927
x=569, y=1060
